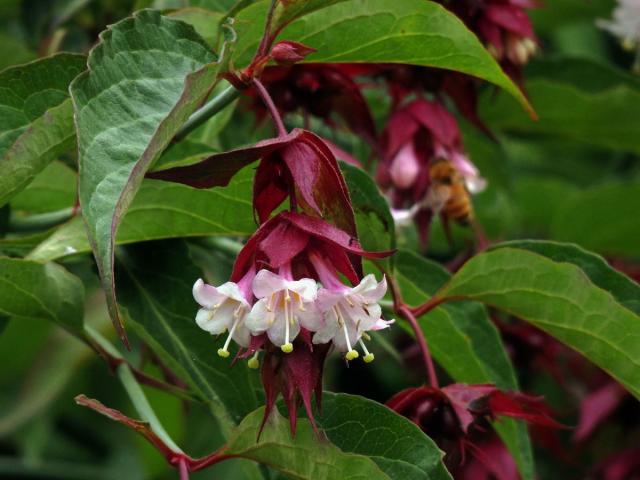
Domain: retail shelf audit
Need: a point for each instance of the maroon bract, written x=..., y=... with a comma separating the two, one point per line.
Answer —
x=296, y=376
x=321, y=90
x=299, y=166
x=447, y=415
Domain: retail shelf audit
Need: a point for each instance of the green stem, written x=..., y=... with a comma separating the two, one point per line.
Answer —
x=225, y=244
x=215, y=105
x=134, y=391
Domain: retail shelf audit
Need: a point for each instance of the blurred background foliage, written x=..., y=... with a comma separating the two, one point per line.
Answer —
x=571, y=176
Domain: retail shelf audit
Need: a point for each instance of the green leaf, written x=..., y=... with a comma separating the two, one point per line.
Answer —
x=204, y=21
x=600, y=273
x=596, y=112
x=415, y=32
x=41, y=290
x=53, y=189
x=166, y=210
x=561, y=299
x=376, y=229
x=361, y=426
x=601, y=219
x=146, y=76
x=464, y=341
x=304, y=457
x=36, y=118
x=154, y=290
x=13, y=51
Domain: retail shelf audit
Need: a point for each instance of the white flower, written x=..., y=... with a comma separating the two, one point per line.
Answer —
x=223, y=308
x=625, y=23
x=347, y=313
x=282, y=305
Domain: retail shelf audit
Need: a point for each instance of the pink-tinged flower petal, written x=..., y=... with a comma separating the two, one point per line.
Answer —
x=311, y=317
x=370, y=289
x=327, y=333
x=231, y=290
x=405, y=167
x=277, y=331
x=259, y=318
x=206, y=295
x=328, y=298
x=242, y=335
x=382, y=324
x=463, y=164
x=267, y=283
x=306, y=288
x=215, y=322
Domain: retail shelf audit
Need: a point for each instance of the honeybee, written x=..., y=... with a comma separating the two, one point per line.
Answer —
x=448, y=193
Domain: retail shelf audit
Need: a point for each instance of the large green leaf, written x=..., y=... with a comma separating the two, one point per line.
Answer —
x=601, y=274
x=154, y=289
x=53, y=189
x=166, y=210
x=465, y=342
x=415, y=32
x=558, y=297
x=304, y=457
x=31, y=289
x=146, y=76
x=601, y=219
x=401, y=450
x=593, y=111
x=36, y=118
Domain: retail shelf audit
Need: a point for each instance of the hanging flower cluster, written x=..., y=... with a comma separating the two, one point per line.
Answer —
x=504, y=27
x=297, y=289
x=425, y=169
x=272, y=302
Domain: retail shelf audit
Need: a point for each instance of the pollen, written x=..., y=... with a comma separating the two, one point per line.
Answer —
x=223, y=353
x=287, y=347
x=369, y=357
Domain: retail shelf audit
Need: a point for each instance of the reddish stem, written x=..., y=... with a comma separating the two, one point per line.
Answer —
x=183, y=469
x=405, y=312
x=427, y=306
x=273, y=110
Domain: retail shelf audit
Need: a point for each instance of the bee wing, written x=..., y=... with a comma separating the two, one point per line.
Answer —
x=475, y=184
x=436, y=197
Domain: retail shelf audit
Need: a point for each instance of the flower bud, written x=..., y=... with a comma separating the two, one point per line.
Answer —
x=288, y=53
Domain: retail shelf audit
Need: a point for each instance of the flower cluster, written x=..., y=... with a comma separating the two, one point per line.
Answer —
x=504, y=27
x=425, y=169
x=282, y=307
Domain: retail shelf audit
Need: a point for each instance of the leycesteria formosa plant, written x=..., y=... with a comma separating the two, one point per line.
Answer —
x=312, y=190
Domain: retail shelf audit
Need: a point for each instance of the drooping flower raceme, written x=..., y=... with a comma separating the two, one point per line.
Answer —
x=224, y=308
x=346, y=313
x=283, y=303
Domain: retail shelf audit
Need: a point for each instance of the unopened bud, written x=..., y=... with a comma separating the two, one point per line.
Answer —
x=288, y=53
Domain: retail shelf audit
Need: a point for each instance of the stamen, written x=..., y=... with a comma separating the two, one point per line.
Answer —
x=253, y=362
x=288, y=346
x=348, y=299
x=351, y=354
x=224, y=352
x=368, y=356
x=301, y=304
